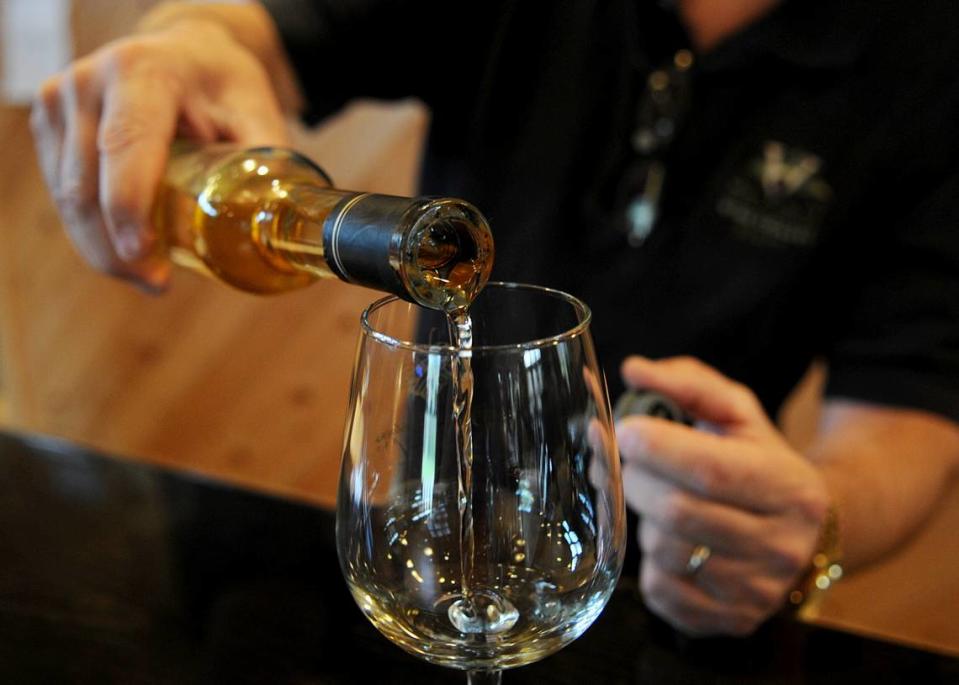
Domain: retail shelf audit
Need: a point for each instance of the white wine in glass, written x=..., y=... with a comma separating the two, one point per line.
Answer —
x=482, y=532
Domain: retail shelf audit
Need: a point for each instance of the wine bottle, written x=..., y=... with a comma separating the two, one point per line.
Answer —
x=268, y=220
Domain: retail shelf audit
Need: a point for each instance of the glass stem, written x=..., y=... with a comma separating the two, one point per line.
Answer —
x=484, y=677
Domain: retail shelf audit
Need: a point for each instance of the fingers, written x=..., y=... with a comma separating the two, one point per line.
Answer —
x=724, y=529
x=763, y=476
x=690, y=608
x=253, y=120
x=698, y=389
x=725, y=595
x=713, y=466
x=741, y=491
x=782, y=545
x=65, y=124
x=669, y=552
x=139, y=119
x=246, y=110
x=75, y=184
x=104, y=127
x=724, y=577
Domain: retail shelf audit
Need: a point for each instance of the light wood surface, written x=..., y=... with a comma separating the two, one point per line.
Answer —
x=254, y=390
x=204, y=377
x=910, y=596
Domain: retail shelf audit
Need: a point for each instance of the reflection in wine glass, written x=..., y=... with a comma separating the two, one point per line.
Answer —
x=508, y=568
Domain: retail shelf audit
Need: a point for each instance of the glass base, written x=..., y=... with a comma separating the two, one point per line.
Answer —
x=484, y=678
x=483, y=613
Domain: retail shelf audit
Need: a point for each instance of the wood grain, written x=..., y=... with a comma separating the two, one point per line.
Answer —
x=246, y=388
x=909, y=595
x=253, y=390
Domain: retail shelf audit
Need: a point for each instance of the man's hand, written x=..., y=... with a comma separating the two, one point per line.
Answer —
x=103, y=127
x=732, y=484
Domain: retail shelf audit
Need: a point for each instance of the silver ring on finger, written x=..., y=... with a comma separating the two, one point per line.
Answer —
x=697, y=559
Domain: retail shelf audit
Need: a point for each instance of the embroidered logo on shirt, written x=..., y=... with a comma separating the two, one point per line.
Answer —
x=779, y=199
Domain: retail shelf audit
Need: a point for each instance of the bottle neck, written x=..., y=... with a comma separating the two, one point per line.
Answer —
x=434, y=252
x=364, y=239
x=289, y=230
x=421, y=250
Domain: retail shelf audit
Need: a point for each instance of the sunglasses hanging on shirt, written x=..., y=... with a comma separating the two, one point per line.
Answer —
x=661, y=109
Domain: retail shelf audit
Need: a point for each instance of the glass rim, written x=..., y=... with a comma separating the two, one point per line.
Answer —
x=585, y=315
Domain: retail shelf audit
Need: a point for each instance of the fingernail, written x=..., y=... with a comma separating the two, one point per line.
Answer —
x=129, y=246
x=156, y=279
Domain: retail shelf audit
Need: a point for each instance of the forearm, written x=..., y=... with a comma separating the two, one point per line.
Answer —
x=886, y=470
x=251, y=26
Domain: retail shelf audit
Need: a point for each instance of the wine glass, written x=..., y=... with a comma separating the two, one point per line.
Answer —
x=501, y=559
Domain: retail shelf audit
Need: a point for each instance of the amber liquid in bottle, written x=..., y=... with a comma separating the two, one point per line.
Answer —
x=268, y=220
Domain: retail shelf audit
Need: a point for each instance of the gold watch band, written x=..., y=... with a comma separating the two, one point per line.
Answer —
x=825, y=569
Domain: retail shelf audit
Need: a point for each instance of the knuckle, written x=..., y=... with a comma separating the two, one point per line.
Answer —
x=651, y=437
x=765, y=596
x=743, y=399
x=644, y=438
x=76, y=79
x=143, y=58
x=650, y=537
x=677, y=511
x=45, y=103
x=126, y=54
x=714, y=476
x=123, y=130
x=653, y=543
x=48, y=94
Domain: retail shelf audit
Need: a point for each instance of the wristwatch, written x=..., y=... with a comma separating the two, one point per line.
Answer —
x=824, y=570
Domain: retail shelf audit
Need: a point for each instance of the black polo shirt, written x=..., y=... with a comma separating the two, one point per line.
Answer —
x=810, y=200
